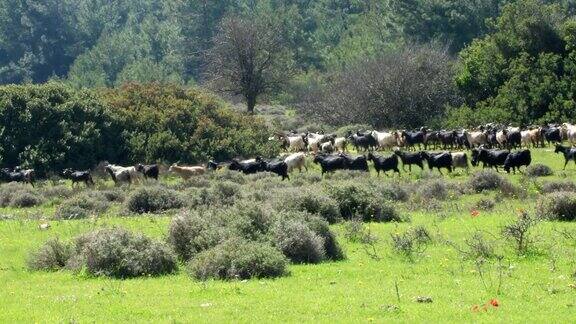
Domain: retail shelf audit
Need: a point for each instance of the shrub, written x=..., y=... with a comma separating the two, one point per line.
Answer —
x=412, y=241
x=559, y=206
x=57, y=192
x=556, y=186
x=11, y=190
x=539, y=170
x=119, y=253
x=356, y=200
x=434, y=189
x=81, y=206
x=307, y=200
x=114, y=195
x=52, y=256
x=191, y=233
x=153, y=199
x=486, y=180
x=298, y=242
x=221, y=193
x=485, y=204
x=392, y=191
x=519, y=232
x=332, y=249
x=238, y=259
x=25, y=199
x=478, y=247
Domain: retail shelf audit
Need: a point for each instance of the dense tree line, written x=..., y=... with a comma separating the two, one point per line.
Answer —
x=509, y=60
x=53, y=126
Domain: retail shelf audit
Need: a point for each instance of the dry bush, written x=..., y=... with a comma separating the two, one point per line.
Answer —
x=560, y=206
x=51, y=256
x=153, y=200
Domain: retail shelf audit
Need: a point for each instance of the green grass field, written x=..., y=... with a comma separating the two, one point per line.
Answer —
x=380, y=286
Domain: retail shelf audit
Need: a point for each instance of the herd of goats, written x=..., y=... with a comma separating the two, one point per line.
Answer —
x=492, y=145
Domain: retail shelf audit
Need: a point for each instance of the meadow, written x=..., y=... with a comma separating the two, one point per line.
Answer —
x=463, y=268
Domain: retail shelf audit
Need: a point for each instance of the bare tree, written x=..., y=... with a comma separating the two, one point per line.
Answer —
x=249, y=58
x=409, y=87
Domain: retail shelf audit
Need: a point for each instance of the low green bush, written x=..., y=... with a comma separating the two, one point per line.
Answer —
x=190, y=233
x=51, y=256
x=239, y=259
x=539, y=170
x=298, y=242
x=560, y=206
x=119, y=253
x=82, y=206
x=153, y=200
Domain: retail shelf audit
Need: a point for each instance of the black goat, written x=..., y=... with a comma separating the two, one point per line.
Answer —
x=568, y=152
x=489, y=158
x=149, y=171
x=384, y=164
x=517, y=159
x=330, y=163
x=18, y=175
x=439, y=161
x=409, y=159
x=358, y=163
x=78, y=176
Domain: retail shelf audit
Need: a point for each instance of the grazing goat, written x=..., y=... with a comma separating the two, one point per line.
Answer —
x=384, y=164
x=187, y=172
x=248, y=166
x=410, y=158
x=413, y=138
x=149, y=171
x=517, y=159
x=568, y=152
x=78, y=176
x=476, y=138
x=278, y=167
x=296, y=161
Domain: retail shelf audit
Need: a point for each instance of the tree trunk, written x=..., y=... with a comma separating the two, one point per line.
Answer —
x=251, y=103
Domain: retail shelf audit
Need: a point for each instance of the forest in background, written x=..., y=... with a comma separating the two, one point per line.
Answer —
x=378, y=62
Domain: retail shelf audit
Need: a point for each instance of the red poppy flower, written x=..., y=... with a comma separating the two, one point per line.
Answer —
x=474, y=213
x=494, y=302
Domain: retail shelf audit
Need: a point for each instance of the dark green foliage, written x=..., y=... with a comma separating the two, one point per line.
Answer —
x=560, y=206
x=51, y=127
x=51, y=256
x=362, y=201
x=119, y=253
x=153, y=200
x=522, y=72
x=239, y=259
